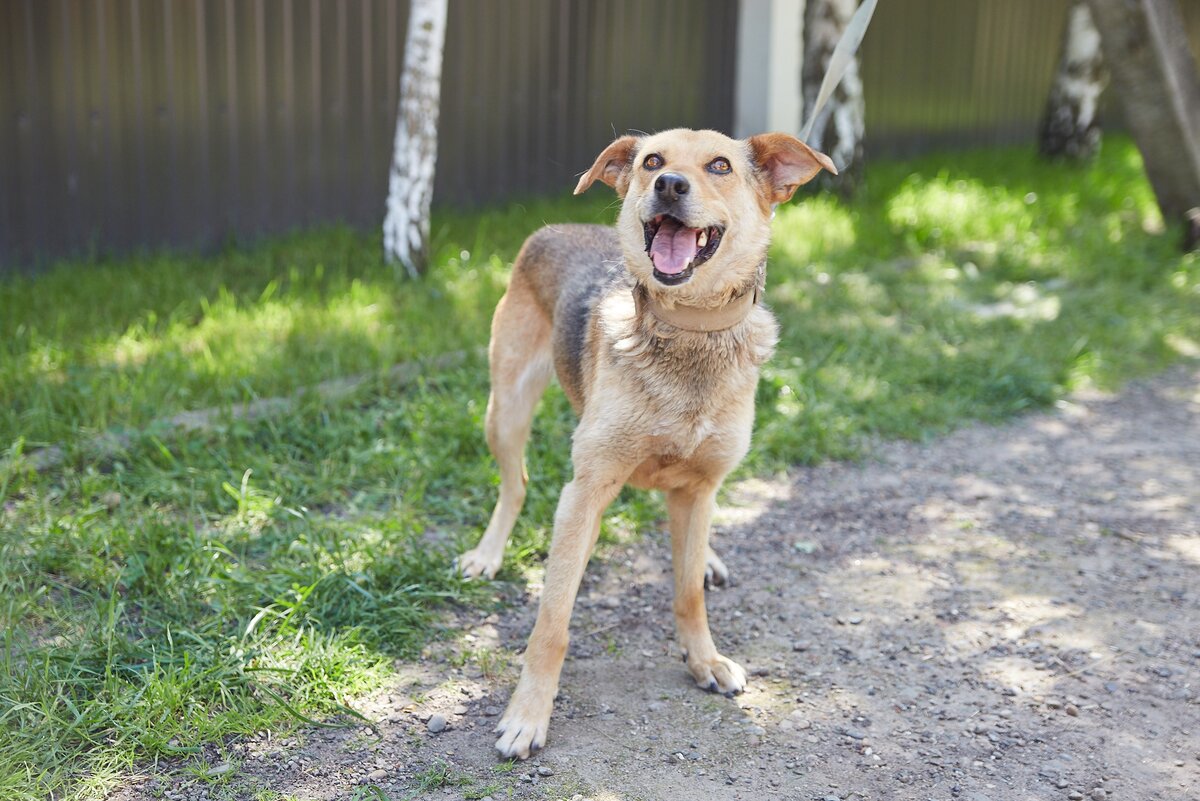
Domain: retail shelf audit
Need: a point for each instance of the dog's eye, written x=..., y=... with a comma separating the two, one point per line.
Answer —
x=653, y=161
x=720, y=166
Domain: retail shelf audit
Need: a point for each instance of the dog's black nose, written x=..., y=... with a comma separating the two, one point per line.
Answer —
x=670, y=187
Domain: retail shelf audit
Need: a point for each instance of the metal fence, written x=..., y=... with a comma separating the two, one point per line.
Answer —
x=943, y=74
x=131, y=123
x=148, y=123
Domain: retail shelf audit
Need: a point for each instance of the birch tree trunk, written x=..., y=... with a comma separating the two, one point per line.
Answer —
x=1069, y=126
x=1154, y=75
x=414, y=157
x=838, y=131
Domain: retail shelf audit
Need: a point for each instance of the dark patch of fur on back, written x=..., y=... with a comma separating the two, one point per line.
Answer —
x=571, y=268
x=573, y=325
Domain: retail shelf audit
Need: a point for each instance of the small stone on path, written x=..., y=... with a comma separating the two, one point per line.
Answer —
x=437, y=723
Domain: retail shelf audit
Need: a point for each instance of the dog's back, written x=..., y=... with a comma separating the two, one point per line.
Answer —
x=568, y=269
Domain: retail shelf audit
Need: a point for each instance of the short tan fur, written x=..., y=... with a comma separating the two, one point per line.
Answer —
x=655, y=332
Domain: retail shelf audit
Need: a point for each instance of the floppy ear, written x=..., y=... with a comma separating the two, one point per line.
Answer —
x=611, y=166
x=786, y=163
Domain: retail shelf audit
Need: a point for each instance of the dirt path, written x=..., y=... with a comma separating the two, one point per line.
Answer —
x=1005, y=613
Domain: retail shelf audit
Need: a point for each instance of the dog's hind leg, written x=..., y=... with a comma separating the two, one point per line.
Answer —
x=715, y=572
x=521, y=367
x=690, y=516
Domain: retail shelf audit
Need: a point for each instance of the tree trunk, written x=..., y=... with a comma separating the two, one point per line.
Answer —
x=1146, y=48
x=1191, y=230
x=1069, y=127
x=838, y=131
x=414, y=158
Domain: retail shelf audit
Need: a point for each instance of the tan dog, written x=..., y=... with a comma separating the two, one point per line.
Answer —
x=656, y=335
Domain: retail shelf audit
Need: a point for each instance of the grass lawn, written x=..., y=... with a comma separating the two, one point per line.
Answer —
x=196, y=586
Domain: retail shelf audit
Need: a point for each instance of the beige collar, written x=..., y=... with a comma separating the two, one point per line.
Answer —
x=695, y=318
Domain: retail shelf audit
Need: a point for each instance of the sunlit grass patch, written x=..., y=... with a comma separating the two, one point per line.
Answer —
x=977, y=286
x=815, y=229
x=186, y=332
x=944, y=209
x=189, y=610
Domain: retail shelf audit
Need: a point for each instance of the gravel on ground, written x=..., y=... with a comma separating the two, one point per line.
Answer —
x=1004, y=613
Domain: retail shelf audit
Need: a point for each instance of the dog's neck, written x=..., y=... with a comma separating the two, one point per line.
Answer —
x=697, y=318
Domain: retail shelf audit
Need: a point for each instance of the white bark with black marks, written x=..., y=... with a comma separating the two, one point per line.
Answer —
x=1070, y=127
x=839, y=128
x=414, y=158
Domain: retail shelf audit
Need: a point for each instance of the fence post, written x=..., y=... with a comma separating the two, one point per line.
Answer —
x=767, y=92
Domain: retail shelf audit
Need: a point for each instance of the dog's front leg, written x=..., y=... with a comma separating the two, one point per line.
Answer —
x=690, y=518
x=576, y=526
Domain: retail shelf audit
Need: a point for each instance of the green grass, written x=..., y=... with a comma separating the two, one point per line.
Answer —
x=176, y=332
x=198, y=586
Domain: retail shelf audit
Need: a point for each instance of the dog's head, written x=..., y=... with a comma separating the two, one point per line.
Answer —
x=695, y=223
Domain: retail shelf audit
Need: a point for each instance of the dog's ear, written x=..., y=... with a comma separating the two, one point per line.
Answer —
x=612, y=166
x=786, y=163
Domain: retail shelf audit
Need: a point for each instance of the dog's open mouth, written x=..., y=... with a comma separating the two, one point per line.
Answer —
x=677, y=250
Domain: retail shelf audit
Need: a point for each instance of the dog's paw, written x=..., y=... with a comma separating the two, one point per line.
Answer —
x=522, y=731
x=718, y=675
x=715, y=572
x=475, y=564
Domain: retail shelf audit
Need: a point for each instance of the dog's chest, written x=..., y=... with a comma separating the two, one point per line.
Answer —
x=678, y=436
x=706, y=464
x=684, y=402
x=685, y=449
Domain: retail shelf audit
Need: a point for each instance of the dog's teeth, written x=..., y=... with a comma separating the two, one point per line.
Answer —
x=702, y=240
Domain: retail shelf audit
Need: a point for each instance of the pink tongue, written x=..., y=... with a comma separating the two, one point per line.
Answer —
x=673, y=247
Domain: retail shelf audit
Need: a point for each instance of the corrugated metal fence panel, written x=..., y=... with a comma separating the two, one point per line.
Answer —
x=140, y=123
x=143, y=123
x=965, y=73
x=1191, y=18
x=941, y=73
x=534, y=89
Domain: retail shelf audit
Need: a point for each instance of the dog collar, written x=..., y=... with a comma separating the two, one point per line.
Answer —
x=696, y=318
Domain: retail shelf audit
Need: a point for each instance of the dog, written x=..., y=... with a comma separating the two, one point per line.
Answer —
x=656, y=331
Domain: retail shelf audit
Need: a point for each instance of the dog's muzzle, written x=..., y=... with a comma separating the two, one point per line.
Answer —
x=676, y=249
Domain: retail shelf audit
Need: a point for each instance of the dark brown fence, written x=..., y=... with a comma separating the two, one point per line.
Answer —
x=943, y=73
x=953, y=73
x=142, y=123
x=147, y=123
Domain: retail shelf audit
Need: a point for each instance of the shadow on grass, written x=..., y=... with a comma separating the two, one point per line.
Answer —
x=88, y=346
